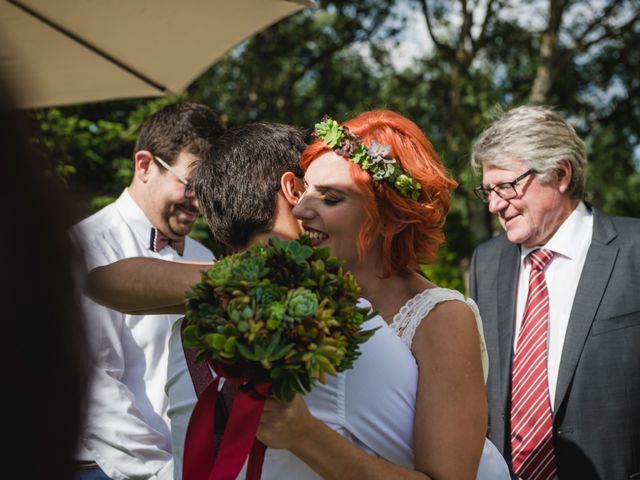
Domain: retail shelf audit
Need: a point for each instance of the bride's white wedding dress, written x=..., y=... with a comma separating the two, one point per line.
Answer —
x=373, y=404
x=405, y=323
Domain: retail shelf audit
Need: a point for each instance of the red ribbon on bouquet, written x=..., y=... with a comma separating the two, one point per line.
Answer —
x=238, y=441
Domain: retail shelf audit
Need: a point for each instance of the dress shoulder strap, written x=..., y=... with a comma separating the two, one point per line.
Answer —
x=406, y=321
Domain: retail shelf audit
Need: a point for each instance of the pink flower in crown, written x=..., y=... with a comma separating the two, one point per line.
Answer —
x=379, y=153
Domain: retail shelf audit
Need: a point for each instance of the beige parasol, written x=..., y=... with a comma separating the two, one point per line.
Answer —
x=60, y=52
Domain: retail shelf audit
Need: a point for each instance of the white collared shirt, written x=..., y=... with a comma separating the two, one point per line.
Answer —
x=127, y=428
x=570, y=244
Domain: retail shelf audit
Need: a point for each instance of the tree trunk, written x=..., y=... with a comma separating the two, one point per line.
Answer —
x=548, y=47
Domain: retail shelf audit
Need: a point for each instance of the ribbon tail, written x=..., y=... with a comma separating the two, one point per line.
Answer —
x=199, y=457
x=239, y=435
x=256, y=459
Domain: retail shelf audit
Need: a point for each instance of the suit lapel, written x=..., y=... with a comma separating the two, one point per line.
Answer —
x=593, y=282
x=508, y=271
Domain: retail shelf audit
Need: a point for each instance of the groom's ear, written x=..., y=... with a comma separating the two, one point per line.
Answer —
x=292, y=187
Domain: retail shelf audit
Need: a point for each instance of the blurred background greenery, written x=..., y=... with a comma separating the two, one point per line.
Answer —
x=444, y=64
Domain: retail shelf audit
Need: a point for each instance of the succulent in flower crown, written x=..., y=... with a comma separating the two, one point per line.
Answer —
x=285, y=314
x=375, y=159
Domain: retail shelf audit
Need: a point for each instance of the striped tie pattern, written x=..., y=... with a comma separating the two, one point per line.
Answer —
x=531, y=420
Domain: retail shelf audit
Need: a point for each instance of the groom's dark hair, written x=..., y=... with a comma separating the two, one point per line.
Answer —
x=238, y=179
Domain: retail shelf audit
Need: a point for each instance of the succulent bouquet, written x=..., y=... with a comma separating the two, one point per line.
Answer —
x=282, y=315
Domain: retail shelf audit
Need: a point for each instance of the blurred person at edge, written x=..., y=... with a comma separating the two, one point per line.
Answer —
x=127, y=432
x=44, y=350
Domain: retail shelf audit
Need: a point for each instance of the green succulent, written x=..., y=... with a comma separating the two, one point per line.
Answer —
x=302, y=302
x=408, y=186
x=361, y=157
x=265, y=293
x=276, y=310
x=331, y=132
x=284, y=313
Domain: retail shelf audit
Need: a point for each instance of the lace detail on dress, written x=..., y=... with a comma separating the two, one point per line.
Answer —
x=406, y=321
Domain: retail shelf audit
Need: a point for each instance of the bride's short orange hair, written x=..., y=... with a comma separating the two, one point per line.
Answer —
x=411, y=229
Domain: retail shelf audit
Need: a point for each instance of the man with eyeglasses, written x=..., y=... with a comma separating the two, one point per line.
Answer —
x=127, y=432
x=559, y=298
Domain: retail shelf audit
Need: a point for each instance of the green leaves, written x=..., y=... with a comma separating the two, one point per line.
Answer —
x=285, y=313
x=330, y=131
x=298, y=251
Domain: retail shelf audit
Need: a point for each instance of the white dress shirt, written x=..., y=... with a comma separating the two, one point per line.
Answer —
x=373, y=404
x=570, y=244
x=127, y=428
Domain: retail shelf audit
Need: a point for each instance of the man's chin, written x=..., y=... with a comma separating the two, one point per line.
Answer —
x=182, y=229
x=514, y=235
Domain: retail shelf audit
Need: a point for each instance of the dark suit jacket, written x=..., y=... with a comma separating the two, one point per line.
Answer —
x=597, y=401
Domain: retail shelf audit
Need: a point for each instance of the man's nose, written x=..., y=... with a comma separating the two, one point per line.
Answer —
x=496, y=202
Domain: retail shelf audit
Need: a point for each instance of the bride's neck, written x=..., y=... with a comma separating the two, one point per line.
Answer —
x=388, y=295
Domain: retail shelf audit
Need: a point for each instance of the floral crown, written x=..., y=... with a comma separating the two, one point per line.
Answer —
x=374, y=159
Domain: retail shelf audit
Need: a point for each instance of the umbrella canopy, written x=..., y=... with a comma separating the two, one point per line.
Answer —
x=74, y=51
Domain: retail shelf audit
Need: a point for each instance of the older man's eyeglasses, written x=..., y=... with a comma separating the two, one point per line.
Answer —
x=505, y=191
x=188, y=188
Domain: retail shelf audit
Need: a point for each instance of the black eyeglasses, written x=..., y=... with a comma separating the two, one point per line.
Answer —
x=188, y=188
x=505, y=191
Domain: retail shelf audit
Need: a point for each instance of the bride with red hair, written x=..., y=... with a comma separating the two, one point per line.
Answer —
x=377, y=195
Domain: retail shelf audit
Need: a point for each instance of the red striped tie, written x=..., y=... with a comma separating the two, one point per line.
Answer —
x=531, y=420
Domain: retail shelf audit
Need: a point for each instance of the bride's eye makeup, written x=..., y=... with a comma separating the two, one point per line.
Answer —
x=331, y=199
x=331, y=196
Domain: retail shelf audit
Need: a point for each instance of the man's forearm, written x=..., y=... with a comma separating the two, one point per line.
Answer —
x=143, y=285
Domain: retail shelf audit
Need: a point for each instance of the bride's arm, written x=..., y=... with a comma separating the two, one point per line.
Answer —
x=142, y=285
x=451, y=406
x=291, y=426
x=450, y=418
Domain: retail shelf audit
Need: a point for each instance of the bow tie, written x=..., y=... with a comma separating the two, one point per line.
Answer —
x=159, y=240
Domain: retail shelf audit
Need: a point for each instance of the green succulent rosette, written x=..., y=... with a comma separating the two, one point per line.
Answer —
x=285, y=314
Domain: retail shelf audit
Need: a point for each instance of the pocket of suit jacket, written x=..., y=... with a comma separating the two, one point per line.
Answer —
x=609, y=324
